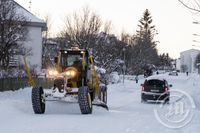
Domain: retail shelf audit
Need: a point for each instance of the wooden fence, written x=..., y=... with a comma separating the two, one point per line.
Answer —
x=17, y=83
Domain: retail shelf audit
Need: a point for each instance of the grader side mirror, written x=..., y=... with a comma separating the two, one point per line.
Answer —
x=56, y=60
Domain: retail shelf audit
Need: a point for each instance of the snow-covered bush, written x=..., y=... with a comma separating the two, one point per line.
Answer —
x=103, y=76
x=114, y=78
x=16, y=73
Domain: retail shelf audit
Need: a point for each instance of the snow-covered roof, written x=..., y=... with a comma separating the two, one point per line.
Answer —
x=31, y=18
x=190, y=50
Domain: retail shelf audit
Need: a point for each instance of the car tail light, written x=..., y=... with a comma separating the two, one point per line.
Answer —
x=166, y=89
x=142, y=88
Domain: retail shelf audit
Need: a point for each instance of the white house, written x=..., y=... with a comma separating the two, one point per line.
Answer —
x=187, y=60
x=34, y=40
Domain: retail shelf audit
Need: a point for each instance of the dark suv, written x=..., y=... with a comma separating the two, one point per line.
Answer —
x=155, y=89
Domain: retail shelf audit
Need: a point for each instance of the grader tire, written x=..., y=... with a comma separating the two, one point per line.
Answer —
x=38, y=100
x=84, y=100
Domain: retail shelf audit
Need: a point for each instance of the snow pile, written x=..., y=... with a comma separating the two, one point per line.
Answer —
x=114, y=78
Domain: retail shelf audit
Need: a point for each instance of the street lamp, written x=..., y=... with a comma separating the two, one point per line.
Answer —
x=124, y=65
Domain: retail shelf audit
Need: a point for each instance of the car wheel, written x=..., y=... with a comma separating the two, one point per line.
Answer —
x=167, y=100
x=143, y=100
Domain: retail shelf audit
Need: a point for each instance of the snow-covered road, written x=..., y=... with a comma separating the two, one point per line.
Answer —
x=126, y=115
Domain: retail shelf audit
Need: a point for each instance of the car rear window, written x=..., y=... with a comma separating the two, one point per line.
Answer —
x=157, y=83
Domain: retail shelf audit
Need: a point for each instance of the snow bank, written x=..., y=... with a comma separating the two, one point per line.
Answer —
x=126, y=115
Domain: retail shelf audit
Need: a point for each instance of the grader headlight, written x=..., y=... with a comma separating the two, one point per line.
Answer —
x=53, y=73
x=70, y=73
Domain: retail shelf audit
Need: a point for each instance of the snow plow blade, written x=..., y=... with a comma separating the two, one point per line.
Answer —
x=100, y=104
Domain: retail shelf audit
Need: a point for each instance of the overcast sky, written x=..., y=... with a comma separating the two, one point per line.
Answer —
x=173, y=22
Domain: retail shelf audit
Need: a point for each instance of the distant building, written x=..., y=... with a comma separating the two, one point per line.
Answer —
x=175, y=64
x=187, y=60
x=178, y=64
x=34, y=38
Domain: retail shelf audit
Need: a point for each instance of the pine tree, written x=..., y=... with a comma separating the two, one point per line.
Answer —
x=144, y=49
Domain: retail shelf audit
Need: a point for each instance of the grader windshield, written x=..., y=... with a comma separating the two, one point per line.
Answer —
x=71, y=59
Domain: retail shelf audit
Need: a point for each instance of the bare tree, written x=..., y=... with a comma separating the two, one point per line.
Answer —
x=46, y=46
x=82, y=28
x=48, y=21
x=107, y=27
x=127, y=38
x=193, y=5
x=87, y=30
x=13, y=31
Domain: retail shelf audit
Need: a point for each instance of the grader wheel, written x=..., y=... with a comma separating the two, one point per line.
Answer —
x=84, y=100
x=38, y=100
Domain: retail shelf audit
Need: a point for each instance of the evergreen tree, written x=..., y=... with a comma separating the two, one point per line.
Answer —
x=164, y=61
x=145, y=53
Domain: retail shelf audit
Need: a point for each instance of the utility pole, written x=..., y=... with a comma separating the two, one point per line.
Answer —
x=124, y=66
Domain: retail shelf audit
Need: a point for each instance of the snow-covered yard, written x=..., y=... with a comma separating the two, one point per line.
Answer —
x=126, y=115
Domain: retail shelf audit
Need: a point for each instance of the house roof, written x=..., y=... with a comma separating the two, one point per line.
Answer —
x=190, y=50
x=31, y=18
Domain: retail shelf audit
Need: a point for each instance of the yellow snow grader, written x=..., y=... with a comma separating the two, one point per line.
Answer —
x=74, y=75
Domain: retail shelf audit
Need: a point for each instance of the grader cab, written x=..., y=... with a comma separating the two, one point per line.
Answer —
x=74, y=75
